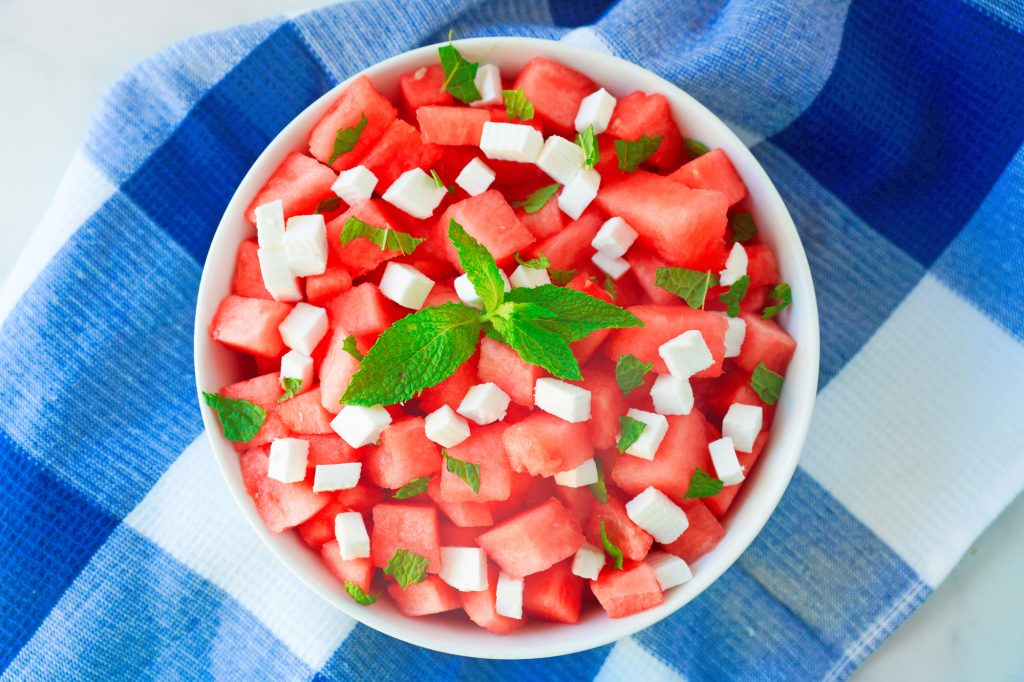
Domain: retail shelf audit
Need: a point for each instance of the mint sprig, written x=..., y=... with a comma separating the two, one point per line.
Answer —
x=576, y=314
x=467, y=471
x=610, y=548
x=459, y=75
x=358, y=596
x=630, y=372
x=742, y=227
x=240, y=419
x=292, y=386
x=632, y=153
x=587, y=141
x=522, y=326
x=517, y=106
x=695, y=147
x=702, y=484
x=407, y=568
x=781, y=293
x=734, y=295
x=416, y=486
x=385, y=239
x=538, y=263
x=690, y=285
x=766, y=383
x=536, y=200
x=350, y=347
x=478, y=265
x=629, y=431
x=345, y=139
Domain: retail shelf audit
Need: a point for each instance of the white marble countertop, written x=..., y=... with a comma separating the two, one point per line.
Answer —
x=59, y=57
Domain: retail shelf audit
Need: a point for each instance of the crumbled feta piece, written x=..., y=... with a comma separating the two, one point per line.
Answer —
x=270, y=225
x=735, y=266
x=735, y=333
x=297, y=365
x=405, y=285
x=614, y=238
x=672, y=395
x=466, y=292
x=595, y=110
x=646, y=446
x=446, y=428
x=484, y=404
x=742, y=423
x=727, y=465
x=588, y=561
x=613, y=267
x=577, y=194
x=653, y=511
x=355, y=184
x=359, y=426
x=511, y=142
x=508, y=598
x=464, y=568
x=560, y=159
x=350, y=532
x=343, y=476
x=528, y=278
x=564, y=400
x=488, y=84
x=415, y=193
x=288, y=457
x=304, y=328
x=584, y=474
x=305, y=242
x=686, y=354
x=669, y=569
x=277, y=276
x=475, y=177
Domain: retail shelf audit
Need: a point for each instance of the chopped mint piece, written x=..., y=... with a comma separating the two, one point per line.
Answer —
x=609, y=286
x=538, y=263
x=440, y=183
x=734, y=295
x=781, y=293
x=610, y=548
x=696, y=147
x=346, y=138
x=702, y=484
x=587, y=141
x=632, y=153
x=561, y=277
x=537, y=199
x=349, y=346
x=517, y=107
x=459, y=74
x=358, y=596
x=742, y=227
x=630, y=429
x=766, y=383
x=416, y=486
x=292, y=386
x=599, y=489
x=407, y=568
x=630, y=372
x=239, y=418
x=385, y=239
x=467, y=471
x=328, y=205
x=690, y=285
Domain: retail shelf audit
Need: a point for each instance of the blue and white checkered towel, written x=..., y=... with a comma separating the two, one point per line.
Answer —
x=893, y=129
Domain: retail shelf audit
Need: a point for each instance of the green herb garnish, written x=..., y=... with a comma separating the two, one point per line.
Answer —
x=632, y=153
x=629, y=431
x=766, y=383
x=345, y=139
x=240, y=419
x=407, y=568
x=702, y=485
x=630, y=372
x=690, y=285
x=781, y=293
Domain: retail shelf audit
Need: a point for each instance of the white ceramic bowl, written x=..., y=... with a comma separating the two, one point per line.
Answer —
x=453, y=633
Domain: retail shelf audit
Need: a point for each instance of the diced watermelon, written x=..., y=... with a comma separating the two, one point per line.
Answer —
x=633, y=540
x=358, y=571
x=433, y=595
x=762, y=268
x=664, y=323
x=250, y=325
x=452, y=390
x=640, y=113
x=363, y=311
x=702, y=535
x=264, y=391
x=555, y=91
x=405, y=453
x=534, y=540
x=607, y=404
x=483, y=447
x=714, y=396
x=304, y=414
x=583, y=282
x=720, y=503
x=360, y=256
x=522, y=483
x=499, y=114
x=336, y=371
x=299, y=182
x=253, y=462
x=329, y=449
x=467, y=514
x=322, y=288
x=280, y=505
x=555, y=594
x=623, y=593
x=439, y=295
x=765, y=342
x=457, y=536
x=579, y=501
x=320, y=528
x=423, y=87
x=359, y=99
x=645, y=266
x=571, y=246
x=480, y=607
x=547, y=221
x=537, y=444
x=685, y=226
x=503, y=366
x=512, y=177
x=585, y=348
x=452, y=126
x=491, y=221
x=247, y=280
x=684, y=448
x=608, y=163
x=714, y=171
x=405, y=526
x=362, y=498
x=399, y=149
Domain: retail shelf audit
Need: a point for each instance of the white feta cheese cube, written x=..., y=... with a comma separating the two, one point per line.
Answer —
x=646, y=446
x=305, y=242
x=350, y=532
x=653, y=511
x=511, y=142
x=669, y=569
x=742, y=423
x=288, y=457
x=475, y=177
x=488, y=84
x=343, y=476
x=686, y=354
x=528, y=278
x=508, y=597
x=595, y=110
x=304, y=328
x=277, y=276
x=355, y=184
x=565, y=401
x=614, y=238
x=415, y=193
x=613, y=267
x=359, y=426
x=405, y=285
x=727, y=465
x=735, y=266
x=560, y=159
x=297, y=365
x=466, y=292
x=270, y=225
x=464, y=568
x=577, y=194
x=484, y=404
x=735, y=332
x=672, y=395
x=584, y=474
x=446, y=428
x=588, y=561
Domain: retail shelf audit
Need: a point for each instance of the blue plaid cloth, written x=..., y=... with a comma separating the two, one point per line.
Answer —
x=893, y=129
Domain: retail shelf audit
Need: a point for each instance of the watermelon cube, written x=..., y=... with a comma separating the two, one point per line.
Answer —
x=336, y=371
x=264, y=390
x=360, y=256
x=483, y=447
x=489, y=218
x=399, y=149
x=547, y=221
x=700, y=537
x=452, y=126
x=433, y=595
x=280, y=505
x=555, y=91
x=480, y=607
x=685, y=226
x=633, y=540
x=304, y=414
x=714, y=396
x=664, y=323
x=329, y=449
x=467, y=514
x=319, y=530
x=640, y=113
x=623, y=593
x=579, y=501
x=253, y=462
x=247, y=280
x=359, y=99
x=423, y=87
x=363, y=498
x=250, y=325
x=537, y=444
x=458, y=536
x=405, y=526
x=555, y=594
x=405, y=453
x=644, y=266
x=684, y=449
x=363, y=311
x=320, y=289
x=765, y=342
x=762, y=268
x=714, y=171
x=533, y=540
x=503, y=366
x=570, y=247
x=358, y=571
x=299, y=182
x=607, y=404
x=452, y=390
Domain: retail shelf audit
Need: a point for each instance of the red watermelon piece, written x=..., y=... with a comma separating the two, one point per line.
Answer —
x=319, y=529
x=405, y=526
x=644, y=266
x=247, y=280
x=633, y=540
x=304, y=414
x=503, y=366
x=641, y=113
x=360, y=256
x=555, y=594
x=489, y=218
x=570, y=247
x=329, y=449
x=607, y=404
x=405, y=453
x=250, y=325
x=714, y=171
x=399, y=149
x=361, y=498
x=700, y=537
x=537, y=444
x=483, y=447
x=433, y=595
x=359, y=99
x=452, y=126
x=762, y=268
x=299, y=182
x=480, y=608
x=364, y=311
x=664, y=323
x=336, y=371
x=452, y=390
x=423, y=87
x=579, y=501
x=358, y=571
x=534, y=540
x=549, y=220
x=322, y=288
x=623, y=593
x=765, y=342
x=720, y=503
x=280, y=505
x=555, y=91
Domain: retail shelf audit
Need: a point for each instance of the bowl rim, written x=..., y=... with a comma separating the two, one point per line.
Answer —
x=797, y=399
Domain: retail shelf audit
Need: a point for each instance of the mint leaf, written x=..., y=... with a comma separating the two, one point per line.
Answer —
x=523, y=329
x=629, y=430
x=561, y=277
x=467, y=471
x=416, y=486
x=610, y=549
x=385, y=239
x=329, y=204
x=630, y=372
x=735, y=294
x=346, y=138
x=742, y=227
x=781, y=293
x=696, y=147
x=440, y=183
x=407, y=568
x=702, y=485
x=239, y=418
x=575, y=314
x=479, y=266
x=292, y=386
x=538, y=263
x=690, y=285
x=609, y=286
x=349, y=346
x=458, y=74
x=632, y=153
x=538, y=198
x=416, y=352
x=599, y=489
x=358, y=596
x=517, y=107
x=587, y=141
x=766, y=383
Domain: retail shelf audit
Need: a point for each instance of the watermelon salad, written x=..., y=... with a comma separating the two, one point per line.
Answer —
x=512, y=343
